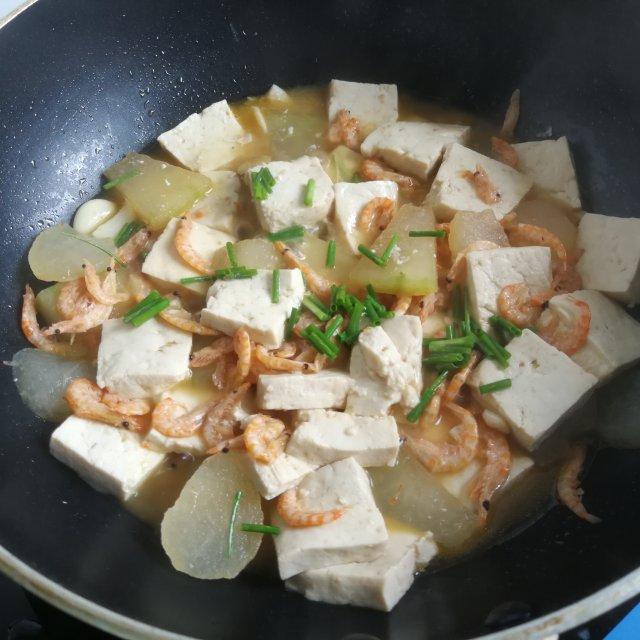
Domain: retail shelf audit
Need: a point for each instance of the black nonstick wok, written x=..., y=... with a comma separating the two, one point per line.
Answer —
x=84, y=81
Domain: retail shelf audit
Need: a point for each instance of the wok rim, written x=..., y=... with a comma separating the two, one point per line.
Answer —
x=128, y=628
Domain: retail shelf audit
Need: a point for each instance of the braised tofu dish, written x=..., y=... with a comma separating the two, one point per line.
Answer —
x=332, y=333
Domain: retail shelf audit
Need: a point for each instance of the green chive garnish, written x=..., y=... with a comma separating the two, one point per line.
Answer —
x=505, y=325
x=390, y=247
x=320, y=341
x=129, y=229
x=489, y=346
x=262, y=183
x=331, y=254
x=146, y=309
x=231, y=253
x=123, y=178
x=427, y=394
x=96, y=246
x=450, y=331
x=291, y=322
x=290, y=233
x=367, y=253
x=317, y=307
x=232, y=521
x=260, y=528
x=453, y=357
x=193, y=279
x=353, y=327
x=371, y=311
x=333, y=325
x=235, y=273
x=382, y=260
x=451, y=344
x=498, y=385
x=308, y=192
x=275, y=286
x=466, y=316
x=438, y=233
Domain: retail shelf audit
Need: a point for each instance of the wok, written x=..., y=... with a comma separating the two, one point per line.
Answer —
x=82, y=82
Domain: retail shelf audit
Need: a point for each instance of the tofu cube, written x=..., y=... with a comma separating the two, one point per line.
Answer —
x=144, y=361
x=549, y=164
x=284, y=206
x=351, y=198
x=386, y=366
x=489, y=271
x=613, y=341
x=372, y=104
x=452, y=192
x=111, y=460
x=219, y=208
x=545, y=385
x=611, y=259
x=413, y=148
x=232, y=304
x=358, y=535
x=205, y=141
x=377, y=584
x=322, y=437
x=277, y=95
x=288, y=391
x=164, y=262
x=113, y=225
x=285, y=472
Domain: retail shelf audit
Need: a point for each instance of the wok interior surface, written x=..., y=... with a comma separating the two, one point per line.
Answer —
x=84, y=82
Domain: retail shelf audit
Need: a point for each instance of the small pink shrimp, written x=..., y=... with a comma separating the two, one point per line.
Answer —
x=102, y=292
x=291, y=512
x=432, y=412
x=222, y=370
x=376, y=216
x=344, y=129
x=85, y=399
x=423, y=306
x=460, y=379
x=568, y=336
x=511, y=116
x=276, y=363
x=264, y=438
x=318, y=284
x=484, y=188
x=517, y=305
x=401, y=305
x=134, y=246
x=566, y=279
x=86, y=312
x=373, y=170
x=568, y=486
x=235, y=443
x=172, y=419
x=211, y=353
x=219, y=421
x=459, y=266
x=529, y=235
x=128, y=406
x=243, y=347
x=495, y=472
x=287, y=350
x=507, y=153
x=183, y=246
x=447, y=457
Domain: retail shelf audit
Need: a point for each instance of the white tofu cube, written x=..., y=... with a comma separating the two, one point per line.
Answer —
x=369, y=394
x=278, y=95
x=322, y=437
x=372, y=104
x=351, y=198
x=549, y=164
x=613, y=341
x=111, y=460
x=377, y=584
x=144, y=361
x=285, y=472
x=205, y=141
x=545, y=385
x=358, y=535
x=232, y=304
x=285, y=206
x=413, y=148
x=286, y=391
x=452, y=192
x=611, y=259
x=164, y=262
x=489, y=271
x=113, y=225
x=219, y=208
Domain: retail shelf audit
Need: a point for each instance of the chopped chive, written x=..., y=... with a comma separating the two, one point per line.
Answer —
x=390, y=247
x=149, y=313
x=371, y=291
x=145, y=303
x=489, y=346
x=260, y=528
x=427, y=394
x=454, y=357
x=381, y=310
x=450, y=332
x=466, y=316
x=193, y=279
x=290, y=233
x=231, y=253
x=320, y=341
x=96, y=246
x=275, y=286
x=308, y=192
x=317, y=307
x=505, y=325
x=353, y=327
x=232, y=521
x=370, y=310
x=235, y=273
x=449, y=344
x=367, y=253
x=438, y=233
x=331, y=254
x=498, y=385
x=333, y=325
x=292, y=321
x=123, y=178
x=126, y=232
x=262, y=183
